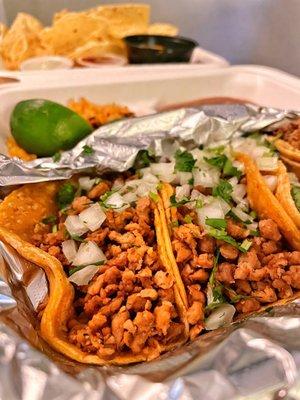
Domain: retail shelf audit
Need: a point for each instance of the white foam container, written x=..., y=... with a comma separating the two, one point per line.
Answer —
x=261, y=85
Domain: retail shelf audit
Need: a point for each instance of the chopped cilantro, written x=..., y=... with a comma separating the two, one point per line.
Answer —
x=191, y=181
x=142, y=160
x=80, y=267
x=199, y=203
x=217, y=161
x=253, y=214
x=184, y=161
x=105, y=197
x=174, y=224
x=218, y=223
x=254, y=233
x=218, y=298
x=65, y=195
x=217, y=150
x=246, y=244
x=215, y=267
x=159, y=186
x=182, y=202
x=50, y=220
x=77, y=238
x=188, y=219
x=230, y=170
x=295, y=191
x=221, y=234
x=54, y=229
x=56, y=157
x=154, y=196
x=87, y=150
x=223, y=190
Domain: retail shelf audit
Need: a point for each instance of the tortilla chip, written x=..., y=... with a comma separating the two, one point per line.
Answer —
x=283, y=194
x=21, y=41
x=23, y=208
x=266, y=204
x=162, y=29
x=95, y=49
x=73, y=30
x=287, y=150
x=292, y=165
x=124, y=19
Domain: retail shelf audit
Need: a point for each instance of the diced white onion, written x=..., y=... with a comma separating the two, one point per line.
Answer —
x=195, y=194
x=221, y=316
x=86, y=183
x=182, y=191
x=93, y=217
x=211, y=210
x=172, y=178
x=267, y=163
x=206, y=178
x=241, y=214
x=148, y=177
x=162, y=169
x=224, y=205
x=184, y=177
x=130, y=197
x=115, y=200
x=145, y=170
x=69, y=249
x=271, y=181
x=238, y=193
x=253, y=226
x=233, y=181
x=118, y=184
x=75, y=226
x=121, y=209
x=84, y=275
x=88, y=253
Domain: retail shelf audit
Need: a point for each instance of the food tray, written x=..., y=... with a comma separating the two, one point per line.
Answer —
x=146, y=89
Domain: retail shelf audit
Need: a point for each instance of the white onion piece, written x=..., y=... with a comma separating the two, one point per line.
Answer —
x=267, y=163
x=182, y=191
x=184, y=177
x=172, y=178
x=144, y=188
x=233, y=181
x=118, y=184
x=75, y=226
x=253, y=226
x=115, y=200
x=241, y=214
x=130, y=197
x=84, y=275
x=238, y=193
x=271, y=181
x=93, y=217
x=212, y=210
x=221, y=316
x=88, y=253
x=239, y=165
x=145, y=170
x=195, y=194
x=224, y=205
x=206, y=178
x=86, y=183
x=119, y=210
x=69, y=249
x=148, y=177
x=162, y=169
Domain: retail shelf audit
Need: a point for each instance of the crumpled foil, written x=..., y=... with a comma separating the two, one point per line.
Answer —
x=255, y=359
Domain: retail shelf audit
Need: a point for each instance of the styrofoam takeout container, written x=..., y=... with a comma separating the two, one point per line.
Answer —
x=144, y=90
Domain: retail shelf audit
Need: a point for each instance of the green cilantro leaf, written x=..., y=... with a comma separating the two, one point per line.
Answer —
x=182, y=202
x=188, y=219
x=184, y=161
x=80, y=267
x=230, y=170
x=65, y=195
x=218, y=223
x=50, y=220
x=246, y=244
x=87, y=150
x=223, y=190
x=221, y=234
x=191, y=181
x=56, y=157
x=217, y=161
x=295, y=191
x=77, y=238
x=143, y=159
x=154, y=196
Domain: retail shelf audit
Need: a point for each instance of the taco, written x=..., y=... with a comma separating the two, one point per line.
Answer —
x=288, y=193
x=237, y=250
x=113, y=298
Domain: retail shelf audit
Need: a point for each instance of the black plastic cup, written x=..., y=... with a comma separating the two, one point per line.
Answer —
x=150, y=49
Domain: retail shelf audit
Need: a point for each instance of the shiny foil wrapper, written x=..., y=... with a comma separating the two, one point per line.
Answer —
x=258, y=358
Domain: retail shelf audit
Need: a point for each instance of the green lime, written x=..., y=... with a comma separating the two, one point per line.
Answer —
x=43, y=127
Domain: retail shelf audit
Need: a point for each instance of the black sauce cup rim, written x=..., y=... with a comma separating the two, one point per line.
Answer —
x=168, y=40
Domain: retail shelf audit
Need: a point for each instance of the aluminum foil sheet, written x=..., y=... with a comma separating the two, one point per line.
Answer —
x=255, y=359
